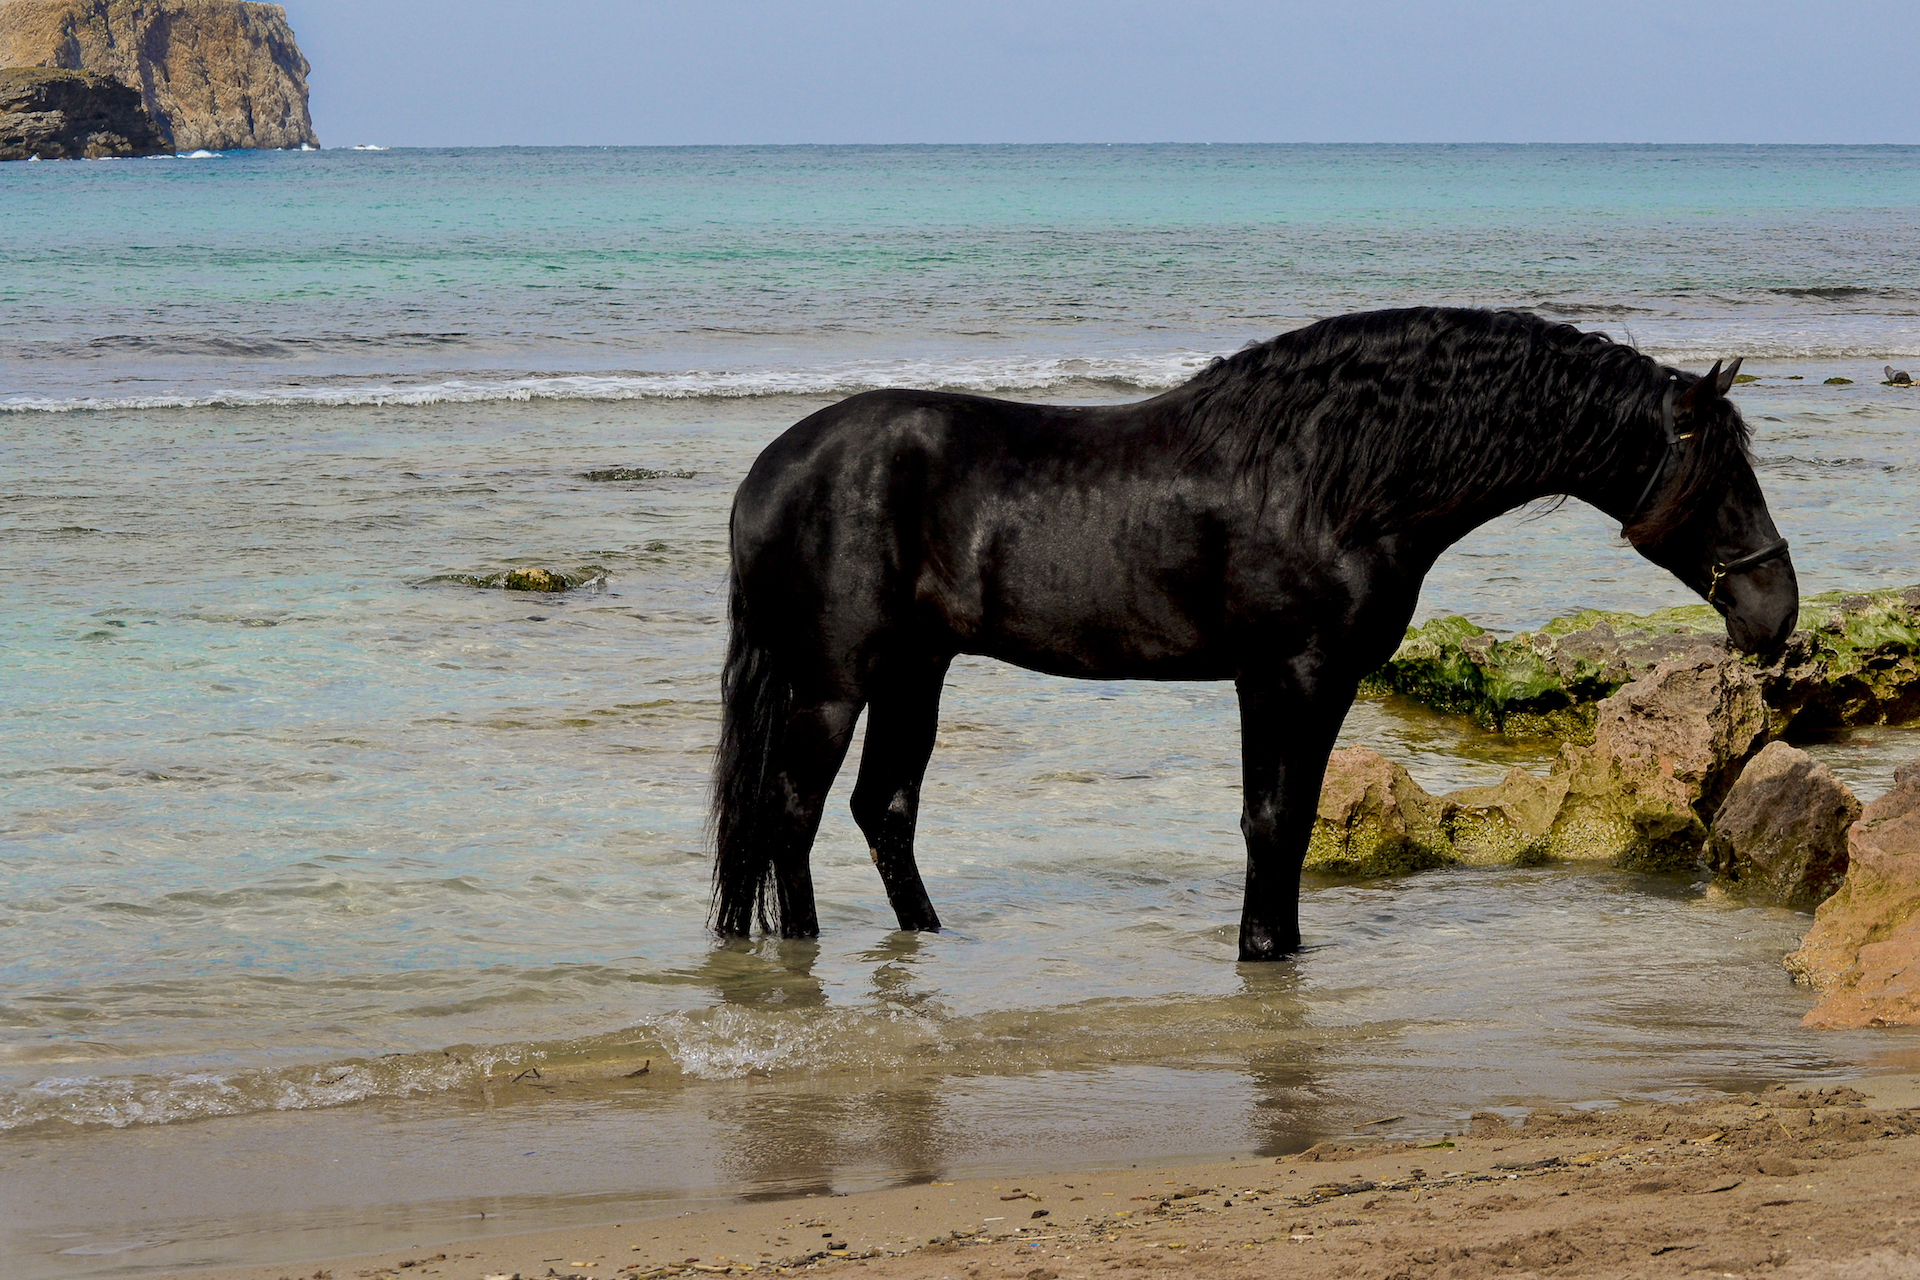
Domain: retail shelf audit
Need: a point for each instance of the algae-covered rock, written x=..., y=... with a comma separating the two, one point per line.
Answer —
x=1510, y=822
x=1374, y=819
x=534, y=579
x=1863, y=951
x=1860, y=663
x=1781, y=833
x=1856, y=662
x=530, y=578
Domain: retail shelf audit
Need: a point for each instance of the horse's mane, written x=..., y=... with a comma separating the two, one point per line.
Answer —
x=1391, y=418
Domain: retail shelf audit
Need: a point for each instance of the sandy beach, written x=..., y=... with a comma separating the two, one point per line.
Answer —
x=1791, y=1182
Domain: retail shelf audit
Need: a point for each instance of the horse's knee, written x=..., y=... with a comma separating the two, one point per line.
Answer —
x=869, y=811
x=1260, y=824
x=878, y=810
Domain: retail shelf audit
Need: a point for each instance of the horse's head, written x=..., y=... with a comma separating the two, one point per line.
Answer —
x=1701, y=515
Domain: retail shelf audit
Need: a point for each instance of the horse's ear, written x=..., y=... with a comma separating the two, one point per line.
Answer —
x=1725, y=384
x=1708, y=387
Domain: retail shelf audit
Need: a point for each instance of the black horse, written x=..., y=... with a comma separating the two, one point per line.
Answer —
x=1269, y=522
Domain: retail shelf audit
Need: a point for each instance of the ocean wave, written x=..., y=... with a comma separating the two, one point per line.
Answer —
x=685, y=1049
x=120, y=1102
x=232, y=346
x=1757, y=350
x=1140, y=373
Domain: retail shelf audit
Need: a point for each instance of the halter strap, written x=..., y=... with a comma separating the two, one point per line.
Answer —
x=1722, y=569
x=1673, y=444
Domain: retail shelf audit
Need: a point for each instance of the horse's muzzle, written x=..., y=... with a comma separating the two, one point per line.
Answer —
x=1762, y=605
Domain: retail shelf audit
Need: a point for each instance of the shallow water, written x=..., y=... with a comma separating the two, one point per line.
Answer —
x=283, y=794
x=308, y=839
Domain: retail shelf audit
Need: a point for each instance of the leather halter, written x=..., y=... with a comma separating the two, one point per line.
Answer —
x=1722, y=569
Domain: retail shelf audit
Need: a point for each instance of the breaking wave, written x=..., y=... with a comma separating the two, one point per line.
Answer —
x=1138, y=373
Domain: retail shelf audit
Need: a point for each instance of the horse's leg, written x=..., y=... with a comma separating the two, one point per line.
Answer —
x=798, y=778
x=901, y=717
x=1286, y=734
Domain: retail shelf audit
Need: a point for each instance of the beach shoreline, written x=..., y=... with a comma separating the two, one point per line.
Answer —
x=1807, y=1181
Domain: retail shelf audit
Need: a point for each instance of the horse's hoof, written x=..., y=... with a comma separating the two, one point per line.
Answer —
x=1258, y=945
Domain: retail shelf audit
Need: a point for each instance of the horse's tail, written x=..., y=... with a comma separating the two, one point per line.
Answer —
x=754, y=700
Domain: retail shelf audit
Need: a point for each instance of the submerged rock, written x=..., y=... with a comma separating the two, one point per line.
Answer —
x=72, y=115
x=605, y=474
x=530, y=578
x=1863, y=951
x=534, y=580
x=218, y=74
x=1857, y=661
x=1781, y=833
x=1374, y=819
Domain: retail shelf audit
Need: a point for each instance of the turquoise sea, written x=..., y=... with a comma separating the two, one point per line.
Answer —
x=308, y=843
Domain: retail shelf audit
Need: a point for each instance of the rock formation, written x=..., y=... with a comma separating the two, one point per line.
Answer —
x=1374, y=819
x=72, y=115
x=1666, y=749
x=1857, y=661
x=1781, y=833
x=218, y=74
x=1863, y=951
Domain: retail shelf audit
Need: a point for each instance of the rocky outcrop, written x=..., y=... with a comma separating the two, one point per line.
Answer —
x=1374, y=819
x=1857, y=661
x=72, y=115
x=1863, y=952
x=1666, y=749
x=1781, y=833
x=218, y=74
x=1511, y=822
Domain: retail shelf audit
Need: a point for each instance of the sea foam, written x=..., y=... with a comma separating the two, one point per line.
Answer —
x=1141, y=373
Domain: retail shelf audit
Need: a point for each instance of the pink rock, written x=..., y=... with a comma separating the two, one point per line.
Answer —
x=1374, y=819
x=1863, y=951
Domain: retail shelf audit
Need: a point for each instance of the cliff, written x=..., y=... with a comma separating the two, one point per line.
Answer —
x=72, y=115
x=219, y=74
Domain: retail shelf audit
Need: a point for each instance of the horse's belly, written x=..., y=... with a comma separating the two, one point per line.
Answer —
x=1082, y=634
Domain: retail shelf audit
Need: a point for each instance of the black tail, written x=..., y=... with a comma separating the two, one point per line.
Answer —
x=754, y=701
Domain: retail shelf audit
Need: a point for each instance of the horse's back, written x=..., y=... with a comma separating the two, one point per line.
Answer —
x=1056, y=537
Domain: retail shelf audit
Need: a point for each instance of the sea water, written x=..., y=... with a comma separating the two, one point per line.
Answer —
x=300, y=827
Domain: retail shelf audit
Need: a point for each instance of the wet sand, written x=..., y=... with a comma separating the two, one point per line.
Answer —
x=1788, y=1183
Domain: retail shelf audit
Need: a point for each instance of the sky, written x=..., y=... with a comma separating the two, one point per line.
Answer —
x=626, y=72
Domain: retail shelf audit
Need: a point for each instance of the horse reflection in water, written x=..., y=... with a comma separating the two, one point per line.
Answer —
x=1269, y=522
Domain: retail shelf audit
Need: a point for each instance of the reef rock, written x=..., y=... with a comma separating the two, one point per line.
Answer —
x=1665, y=749
x=1863, y=951
x=219, y=74
x=1374, y=819
x=72, y=115
x=1781, y=833
x=1510, y=822
x=534, y=579
x=1696, y=721
x=1856, y=662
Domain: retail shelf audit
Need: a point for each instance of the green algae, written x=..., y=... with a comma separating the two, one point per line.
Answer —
x=1856, y=661
x=527, y=578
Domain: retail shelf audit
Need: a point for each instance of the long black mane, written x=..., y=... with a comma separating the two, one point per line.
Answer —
x=1504, y=401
